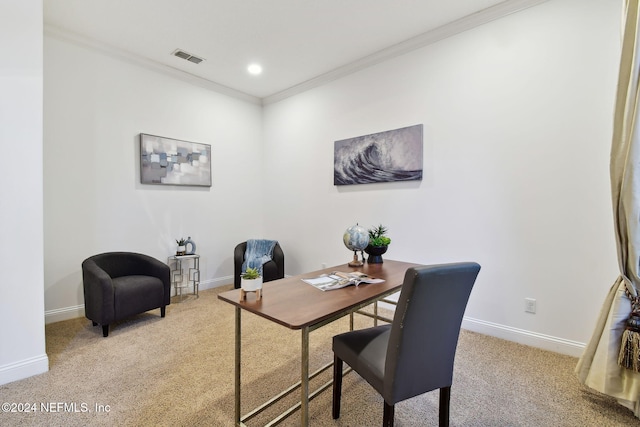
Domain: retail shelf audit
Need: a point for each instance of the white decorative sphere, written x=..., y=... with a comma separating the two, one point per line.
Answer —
x=356, y=238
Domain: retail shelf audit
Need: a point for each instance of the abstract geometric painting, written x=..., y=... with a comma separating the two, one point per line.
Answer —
x=394, y=155
x=174, y=162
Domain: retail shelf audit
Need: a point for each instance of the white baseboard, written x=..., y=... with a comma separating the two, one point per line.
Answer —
x=521, y=336
x=216, y=283
x=24, y=369
x=60, y=314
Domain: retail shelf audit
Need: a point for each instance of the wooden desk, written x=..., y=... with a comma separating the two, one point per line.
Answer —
x=295, y=304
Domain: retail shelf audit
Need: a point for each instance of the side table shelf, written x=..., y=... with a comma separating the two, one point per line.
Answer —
x=185, y=276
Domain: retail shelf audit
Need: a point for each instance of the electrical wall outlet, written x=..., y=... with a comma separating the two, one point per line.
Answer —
x=530, y=305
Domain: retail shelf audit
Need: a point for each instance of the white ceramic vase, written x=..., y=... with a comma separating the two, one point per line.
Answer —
x=251, y=285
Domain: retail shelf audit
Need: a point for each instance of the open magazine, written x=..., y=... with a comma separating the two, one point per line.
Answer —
x=338, y=280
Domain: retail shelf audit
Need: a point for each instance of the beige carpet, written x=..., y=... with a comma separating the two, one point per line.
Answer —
x=178, y=371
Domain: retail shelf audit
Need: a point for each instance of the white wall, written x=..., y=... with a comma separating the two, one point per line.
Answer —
x=517, y=124
x=517, y=119
x=22, y=342
x=96, y=105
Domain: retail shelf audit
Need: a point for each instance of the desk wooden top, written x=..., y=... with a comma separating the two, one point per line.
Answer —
x=296, y=304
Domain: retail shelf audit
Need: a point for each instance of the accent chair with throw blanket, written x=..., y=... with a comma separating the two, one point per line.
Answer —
x=265, y=255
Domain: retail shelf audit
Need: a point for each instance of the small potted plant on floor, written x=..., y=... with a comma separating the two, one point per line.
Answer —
x=378, y=244
x=182, y=248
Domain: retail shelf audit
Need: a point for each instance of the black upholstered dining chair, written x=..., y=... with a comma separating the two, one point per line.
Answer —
x=271, y=270
x=415, y=353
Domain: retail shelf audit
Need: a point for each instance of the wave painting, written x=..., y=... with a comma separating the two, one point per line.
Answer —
x=394, y=155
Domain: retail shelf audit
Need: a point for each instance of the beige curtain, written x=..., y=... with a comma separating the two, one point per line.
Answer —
x=598, y=367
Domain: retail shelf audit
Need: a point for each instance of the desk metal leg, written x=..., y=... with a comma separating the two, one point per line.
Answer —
x=304, y=378
x=238, y=340
x=305, y=396
x=375, y=313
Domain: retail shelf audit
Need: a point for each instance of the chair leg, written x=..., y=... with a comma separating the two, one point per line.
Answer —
x=105, y=330
x=163, y=311
x=388, y=415
x=445, y=397
x=337, y=386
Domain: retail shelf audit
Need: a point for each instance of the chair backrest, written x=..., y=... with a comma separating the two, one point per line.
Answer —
x=425, y=329
x=238, y=259
x=118, y=264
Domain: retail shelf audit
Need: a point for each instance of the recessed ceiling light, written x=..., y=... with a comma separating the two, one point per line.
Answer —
x=254, y=69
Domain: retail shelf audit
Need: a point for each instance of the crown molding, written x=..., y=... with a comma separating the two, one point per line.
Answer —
x=79, y=40
x=451, y=29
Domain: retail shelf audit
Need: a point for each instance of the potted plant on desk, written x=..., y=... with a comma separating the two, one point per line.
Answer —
x=250, y=281
x=378, y=244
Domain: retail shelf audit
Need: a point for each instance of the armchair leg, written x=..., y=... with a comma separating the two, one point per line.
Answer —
x=337, y=386
x=445, y=397
x=105, y=330
x=163, y=311
x=388, y=415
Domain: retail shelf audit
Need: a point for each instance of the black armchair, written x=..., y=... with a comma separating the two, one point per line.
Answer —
x=415, y=353
x=118, y=285
x=271, y=270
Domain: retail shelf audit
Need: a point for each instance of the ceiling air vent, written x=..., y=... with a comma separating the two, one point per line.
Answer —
x=189, y=57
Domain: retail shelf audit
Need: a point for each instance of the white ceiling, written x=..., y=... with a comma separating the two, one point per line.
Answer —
x=298, y=42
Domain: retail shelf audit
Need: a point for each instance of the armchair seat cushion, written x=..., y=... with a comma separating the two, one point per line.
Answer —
x=136, y=294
